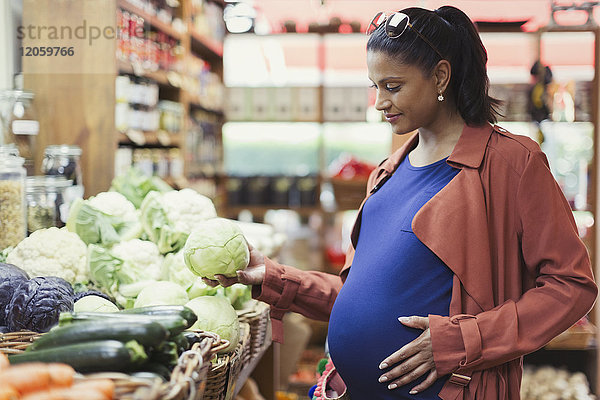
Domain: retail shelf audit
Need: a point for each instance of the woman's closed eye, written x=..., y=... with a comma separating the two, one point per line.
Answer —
x=392, y=86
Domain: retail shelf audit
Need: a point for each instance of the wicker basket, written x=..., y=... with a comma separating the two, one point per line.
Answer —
x=349, y=193
x=258, y=318
x=16, y=342
x=188, y=379
x=220, y=384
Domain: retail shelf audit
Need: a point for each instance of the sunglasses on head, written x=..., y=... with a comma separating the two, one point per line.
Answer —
x=395, y=25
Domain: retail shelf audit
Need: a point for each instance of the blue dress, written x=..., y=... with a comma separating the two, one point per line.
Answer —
x=393, y=274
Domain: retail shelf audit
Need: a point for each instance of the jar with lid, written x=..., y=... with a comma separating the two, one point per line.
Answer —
x=12, y=198
x=45, y=201
x=23, y=125
x=63, y=160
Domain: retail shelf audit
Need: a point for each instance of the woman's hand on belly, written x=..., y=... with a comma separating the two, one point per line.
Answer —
x=413, y=360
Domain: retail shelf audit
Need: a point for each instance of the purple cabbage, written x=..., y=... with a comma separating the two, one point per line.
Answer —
x=37, y=303
x=11, y=277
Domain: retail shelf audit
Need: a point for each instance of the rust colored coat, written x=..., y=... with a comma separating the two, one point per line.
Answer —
x=521, y=273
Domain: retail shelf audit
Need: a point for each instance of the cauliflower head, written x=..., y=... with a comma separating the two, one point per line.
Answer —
x=52, y=252
x=185, y=208
x=114, y=203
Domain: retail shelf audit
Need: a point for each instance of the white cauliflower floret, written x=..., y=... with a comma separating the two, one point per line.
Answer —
x=52, y=252
x=114, y=203
x=141, y=254
x=186, y=208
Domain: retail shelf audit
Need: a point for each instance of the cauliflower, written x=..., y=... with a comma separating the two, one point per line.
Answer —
x=168, y=218
x=125, y=269
x=114, y=203
x=105, y=219
x=185, y=208
x=52, y=252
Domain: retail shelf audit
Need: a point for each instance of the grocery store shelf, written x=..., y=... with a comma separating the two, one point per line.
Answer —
x=161, y=77
x=197, y=101
x=149, y=139
x=150, y=19
x=205, y=46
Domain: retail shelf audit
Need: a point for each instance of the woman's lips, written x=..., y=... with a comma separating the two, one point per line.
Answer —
x=392, y=117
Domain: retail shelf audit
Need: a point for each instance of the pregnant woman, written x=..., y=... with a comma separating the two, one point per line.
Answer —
x=465, y=254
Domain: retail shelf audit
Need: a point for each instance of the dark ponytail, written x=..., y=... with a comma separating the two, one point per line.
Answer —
x=451, y=31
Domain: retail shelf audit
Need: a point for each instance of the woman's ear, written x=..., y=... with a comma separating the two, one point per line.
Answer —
x=442, y=73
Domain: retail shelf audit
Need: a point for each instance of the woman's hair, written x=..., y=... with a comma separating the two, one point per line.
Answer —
x=454, y=35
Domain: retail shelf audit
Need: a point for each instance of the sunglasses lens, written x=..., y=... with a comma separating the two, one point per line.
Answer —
x=396, y=25
x=375, y=22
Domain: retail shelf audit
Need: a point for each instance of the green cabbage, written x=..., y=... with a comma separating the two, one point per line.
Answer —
x=216, y=314
x=216, y=246
x=161, y=293
x=238, y=294
x=134, y=185
x=168, y=218
x=94, y=304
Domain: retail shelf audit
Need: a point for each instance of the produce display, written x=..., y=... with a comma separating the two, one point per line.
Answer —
x=120, y=287
x=549, y=383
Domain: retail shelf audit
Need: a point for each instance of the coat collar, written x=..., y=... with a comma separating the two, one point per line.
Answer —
x=468, y=152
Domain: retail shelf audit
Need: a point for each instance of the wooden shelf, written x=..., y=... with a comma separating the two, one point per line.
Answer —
x=150, y=139
x=164, y=78
x=197, y=101
x=206, y=47
x=150, y=19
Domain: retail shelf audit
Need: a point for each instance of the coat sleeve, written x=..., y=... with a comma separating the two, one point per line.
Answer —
x=285, y=288
x=564, y=289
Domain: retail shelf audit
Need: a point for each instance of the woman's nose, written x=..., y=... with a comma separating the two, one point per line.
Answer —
x=382, y=103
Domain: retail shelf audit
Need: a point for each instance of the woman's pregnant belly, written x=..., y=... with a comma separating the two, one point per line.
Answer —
x=364, y=327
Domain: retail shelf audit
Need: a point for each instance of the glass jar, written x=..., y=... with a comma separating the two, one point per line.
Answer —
x=45, y=201
x=63, y=160
x=23, y=125
x=12, y=198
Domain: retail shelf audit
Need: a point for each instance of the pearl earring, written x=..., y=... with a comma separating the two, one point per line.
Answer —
x=440, y=97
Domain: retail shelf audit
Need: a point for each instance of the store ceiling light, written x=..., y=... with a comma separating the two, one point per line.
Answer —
x=239, y=17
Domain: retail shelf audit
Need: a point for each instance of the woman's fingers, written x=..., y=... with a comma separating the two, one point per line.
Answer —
x=430, y=380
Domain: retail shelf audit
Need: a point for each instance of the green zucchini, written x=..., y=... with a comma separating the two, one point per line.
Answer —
x=148, y=333
x=181, y=341
x=165, y=354
x=174, y=324
x=185, y=312
x=100, y=355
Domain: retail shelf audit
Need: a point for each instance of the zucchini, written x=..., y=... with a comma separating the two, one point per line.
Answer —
x=174, y=324
x=181, y=342
x=94, y=356
x=147, y=333
x=165, y=354
x=183, y=311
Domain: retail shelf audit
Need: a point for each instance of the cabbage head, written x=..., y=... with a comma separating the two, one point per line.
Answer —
x=216, y=314
x=94, y=303
x=104, y=219
x=175, y=270
x=168, y=218
x=216, y=246
x=161, y=293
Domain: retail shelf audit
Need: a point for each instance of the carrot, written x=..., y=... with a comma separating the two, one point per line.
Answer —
x=26, y=377
x=61, y=374
x=30, y=377
x=71, y=393
x=104, y=386
x=8, y=392
x=4, y=363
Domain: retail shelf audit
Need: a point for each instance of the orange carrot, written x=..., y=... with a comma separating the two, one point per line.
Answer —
x=8, y=392
x=104, y=386
x=4, y=363
x=61, y=374
x=30, y=377
x=75, y=392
